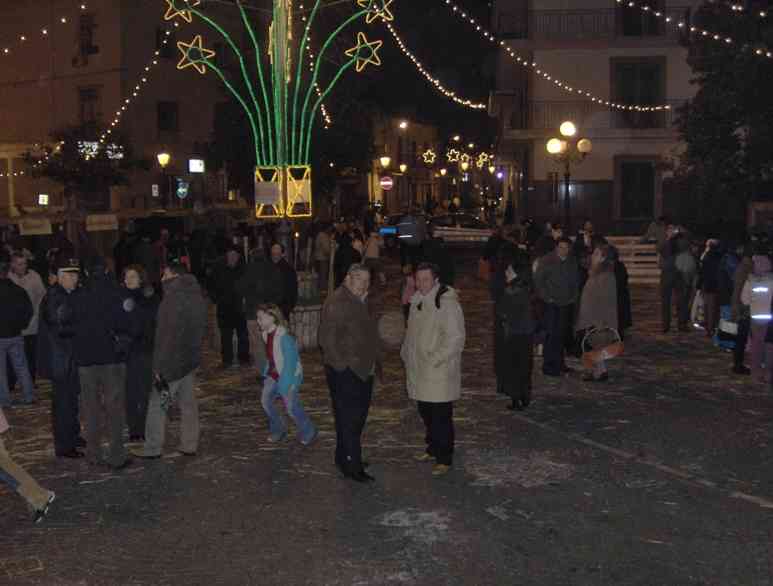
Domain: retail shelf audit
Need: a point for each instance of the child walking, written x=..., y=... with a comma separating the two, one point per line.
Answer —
x=283, y=377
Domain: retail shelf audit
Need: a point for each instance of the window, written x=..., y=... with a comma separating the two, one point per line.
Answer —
x=168, y=116
x=86, y=29
x=165, y=50
x=90, y=105
x=634, y=22
x=639, y=81
x=637, y=189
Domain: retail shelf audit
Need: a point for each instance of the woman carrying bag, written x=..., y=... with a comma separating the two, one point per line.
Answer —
x=598, y=304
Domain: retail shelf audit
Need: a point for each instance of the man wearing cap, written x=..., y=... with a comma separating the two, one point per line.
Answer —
x=56, y=360
x=350, y=345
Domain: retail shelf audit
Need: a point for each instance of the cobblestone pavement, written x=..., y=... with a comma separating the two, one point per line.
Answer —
x=661, y=476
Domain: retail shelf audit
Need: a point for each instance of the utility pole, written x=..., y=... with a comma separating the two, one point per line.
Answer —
x=281, y=34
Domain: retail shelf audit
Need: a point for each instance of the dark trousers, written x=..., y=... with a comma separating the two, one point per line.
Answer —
x=711, y=311
x=351, y=398
x=64, y=413
x=104, y=406
x=31, y=352
x=439, y=423
x=558, y=323
x=739, y=352
x=672, y=282
x=139, y=382
x=243, y=342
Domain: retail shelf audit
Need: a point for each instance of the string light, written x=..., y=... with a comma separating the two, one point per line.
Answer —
x=135, y=91
x=741, y=8
x=328, y=120
x=434, y=81
x=9, y=47
x=541, y=72
x=684, y=25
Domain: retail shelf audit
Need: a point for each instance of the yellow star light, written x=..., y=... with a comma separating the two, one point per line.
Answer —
x=194, y=55
x=483, y=158
x=173, y=12
x=429, y=156
x=374, y=11
x=465, y=158
x=364, y=45
x=453, y=156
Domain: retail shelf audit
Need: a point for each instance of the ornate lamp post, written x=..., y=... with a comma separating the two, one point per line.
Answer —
x=163, y=160
x=566, y=151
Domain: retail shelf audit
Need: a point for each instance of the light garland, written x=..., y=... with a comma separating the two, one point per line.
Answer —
x=137, y=89
x=541, y=72
x=328, y=120
x=741, y=8
x=9, y=47
x=434, y=81
x=684, y=25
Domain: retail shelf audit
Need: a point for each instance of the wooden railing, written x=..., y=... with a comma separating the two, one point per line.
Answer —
x=641, y=260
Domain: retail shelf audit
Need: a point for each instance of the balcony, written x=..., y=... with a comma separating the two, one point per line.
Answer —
x=589, y=25
x=547, y=116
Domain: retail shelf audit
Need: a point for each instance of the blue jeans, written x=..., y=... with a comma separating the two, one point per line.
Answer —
x=292, y=401
x=14, y=348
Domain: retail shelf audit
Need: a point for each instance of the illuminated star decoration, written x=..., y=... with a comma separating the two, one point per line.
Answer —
x=173, y=12
x=483, y=158
x=194, y=55
x=375, y=11
x=453, y=156
x=370, y=47
x=465, y=158
x=429, y=156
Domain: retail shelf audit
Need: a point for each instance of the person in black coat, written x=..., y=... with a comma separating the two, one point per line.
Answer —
x=624, y=313
x=105, y=323
x=514, y=328
x=230, y=308
x=289, y=280
x=139, y=366
x=56, y=358
x=15, y=314
x=348, y=252
x=709, y=285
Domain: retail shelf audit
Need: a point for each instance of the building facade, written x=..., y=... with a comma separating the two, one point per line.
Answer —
x=617, y=52
x=65, y=64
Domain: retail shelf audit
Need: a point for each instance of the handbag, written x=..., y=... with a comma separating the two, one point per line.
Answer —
x=601, y=344
x=728, y=327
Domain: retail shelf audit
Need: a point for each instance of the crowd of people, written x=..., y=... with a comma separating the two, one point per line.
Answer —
x=120, y=348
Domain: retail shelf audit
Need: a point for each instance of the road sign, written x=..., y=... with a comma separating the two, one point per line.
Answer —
x=387, y=183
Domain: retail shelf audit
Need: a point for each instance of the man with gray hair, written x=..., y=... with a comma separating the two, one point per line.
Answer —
x=351, y=352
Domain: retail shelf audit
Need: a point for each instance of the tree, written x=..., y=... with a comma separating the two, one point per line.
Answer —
x=727, y=127
x=84, y=168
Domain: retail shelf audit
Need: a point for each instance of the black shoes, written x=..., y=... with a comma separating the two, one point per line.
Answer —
x=744, y=370
x=136, y=438
x=74, y=454
x=80, y=442
x=361, y=477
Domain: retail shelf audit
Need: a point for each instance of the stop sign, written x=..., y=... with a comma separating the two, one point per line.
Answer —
x=387, y=183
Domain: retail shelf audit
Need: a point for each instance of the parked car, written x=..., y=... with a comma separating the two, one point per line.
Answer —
x=460, y=228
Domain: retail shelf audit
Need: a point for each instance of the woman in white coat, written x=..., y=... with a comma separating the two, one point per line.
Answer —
x=432, y=353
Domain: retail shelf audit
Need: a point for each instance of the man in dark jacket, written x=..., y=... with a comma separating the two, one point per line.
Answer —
x=557, y=284
x=260, y=284
x=671, y=281
x=15, y=314
x=104, y=323
x=56, y=358
x=289, y=280
x=351, y=352
x=181, y=324
x=230, y=313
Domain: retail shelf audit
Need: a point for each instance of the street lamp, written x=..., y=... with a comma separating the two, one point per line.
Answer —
x=403, y=125
x=163, y=160
x=403, y=167
x=492, y=169
x=443, y=172
x=567, y=151
x=465, y=166
x=385, y=161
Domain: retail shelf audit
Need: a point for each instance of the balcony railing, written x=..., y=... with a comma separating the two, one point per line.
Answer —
x=600, y=24
x=548, y=115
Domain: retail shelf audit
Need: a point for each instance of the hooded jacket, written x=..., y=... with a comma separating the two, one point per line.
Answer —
x=432, y=350
x=180, y=327
x=287, y=361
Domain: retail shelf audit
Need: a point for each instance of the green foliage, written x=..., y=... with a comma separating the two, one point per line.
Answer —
x=728, y=126
x=86, y=177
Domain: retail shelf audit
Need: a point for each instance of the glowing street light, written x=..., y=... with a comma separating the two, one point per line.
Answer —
x=403, y=167
x=385, y=161
x=163, y=159
x=403, y=125
x=565, y=152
